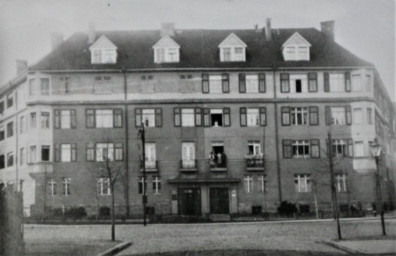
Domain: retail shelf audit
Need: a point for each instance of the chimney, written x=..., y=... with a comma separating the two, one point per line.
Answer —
x=56, y=40
x=21, y=65
x=91, y=33
x=268, y=30
x=327, y=27
x=168, y=29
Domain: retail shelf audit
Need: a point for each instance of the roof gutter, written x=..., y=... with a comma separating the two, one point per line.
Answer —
x=14, y=82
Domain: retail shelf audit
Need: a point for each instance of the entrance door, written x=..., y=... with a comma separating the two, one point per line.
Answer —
x=219, y=201
x=190, y=201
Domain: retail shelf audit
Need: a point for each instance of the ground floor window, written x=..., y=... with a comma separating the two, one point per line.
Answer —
x=104, y=186
x=302, y=183
x=156, y=184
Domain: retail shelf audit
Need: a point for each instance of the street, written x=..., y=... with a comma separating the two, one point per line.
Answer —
x=301, y=236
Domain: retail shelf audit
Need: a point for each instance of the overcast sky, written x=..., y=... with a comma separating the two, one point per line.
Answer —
x=365, y=27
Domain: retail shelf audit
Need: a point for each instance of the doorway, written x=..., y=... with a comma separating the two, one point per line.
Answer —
x=190, y=201
x=219, y=201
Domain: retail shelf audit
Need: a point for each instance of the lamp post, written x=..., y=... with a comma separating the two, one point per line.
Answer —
x=144, y=196
x=376, y=153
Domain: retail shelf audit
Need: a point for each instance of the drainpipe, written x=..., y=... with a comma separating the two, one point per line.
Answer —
x=126, y=188
x=277, y=137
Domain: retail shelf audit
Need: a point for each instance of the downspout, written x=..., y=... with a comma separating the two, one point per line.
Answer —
x=126, y=190
x=16, y=130
x=277, y=137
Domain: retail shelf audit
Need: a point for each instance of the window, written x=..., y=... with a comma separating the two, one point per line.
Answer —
x=338, y=115
x=10, y=129
x=45, y=120
x=302, y=183
x=359, y=149
x=340, y=148
x=119, y=155
x=101, y=118
x=216, y=83
x=217, y=157
x=369, y=116
x=226, y=54
x=2, y=133
x=160, y=55
x=157, y=185
x=103, y=56
x=300, y=149
x=299, y=116
x=312, y=82
x=90, y=151
x=1, y=107
x=33, y=154
x=52, y=187
x=367, y=82
x=150, y=117
x=2, y=162
x=66, y=152
x=65, y=119
x=168, y=55
x=32, y=87
x=33, y=120
x=337, y=83
x=188, y=155
x=104, y=151
x=252, y=84
x=357, y=116
x=248, y=182
x=217, y=117
x=10, y=159
x=296, y=52
x=262, y=179
x=254, y=148
x=142, y=185
x=232, y=54
x=66, y=85
x=22, y=156
x=44, y=86
x=253, y=116
x=298, y=82
x=10, y=100
x=66, y=186
x=150, y=161
x=104, y=186
x=341, y=182
x=313, y=116
x=187, y=117
x=285, y=84
x=22, y=125
x=45, y=153
x=356, y=83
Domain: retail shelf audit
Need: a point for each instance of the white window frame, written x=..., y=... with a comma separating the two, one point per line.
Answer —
x=104, y=118
x=262, y=179
x=101, y=149
x=188, y=154
x=66, y=153
x=45, y=119
x=215, y=84
x=156, y=185
x=33, y=154
x=341, y=182
x=187, y=117
x=295, y=112
x=148, y=117
x=253, y=117
x=357, y=116
x=337, y=82
x=338, y=116
x=301, y=143
x=340, y=148
x=252, y=83
x=52, y=187
x=303, y=183
x=356, y=83
x=65, y=119
x=104, y=186
x=150, y=152
x=248, y=181
x=66, y=182
x=256, y=148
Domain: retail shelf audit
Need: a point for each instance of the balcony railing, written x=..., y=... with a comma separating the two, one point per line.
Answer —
x=151, y=166
x=188, y=165
x=218, y=165
x=255, y=164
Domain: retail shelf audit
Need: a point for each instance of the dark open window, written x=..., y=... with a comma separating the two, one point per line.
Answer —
x=298, y=86
x=45, y=153
x=216, y=119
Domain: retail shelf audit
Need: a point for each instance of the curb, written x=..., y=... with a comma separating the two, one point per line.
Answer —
x=115, y=249
x=340, y=247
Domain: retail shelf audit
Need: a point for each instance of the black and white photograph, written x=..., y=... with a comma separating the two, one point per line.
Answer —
x=197, y=127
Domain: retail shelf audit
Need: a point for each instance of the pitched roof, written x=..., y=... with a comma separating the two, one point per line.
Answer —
x=103, y=42
x=166, y=42
x=232, y=40
x=199, y=49
x=296, y=39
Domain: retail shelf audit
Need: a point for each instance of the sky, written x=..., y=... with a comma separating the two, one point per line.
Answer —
x=365, y=27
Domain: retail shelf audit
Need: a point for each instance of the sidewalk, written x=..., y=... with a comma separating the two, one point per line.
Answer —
x=374, y=245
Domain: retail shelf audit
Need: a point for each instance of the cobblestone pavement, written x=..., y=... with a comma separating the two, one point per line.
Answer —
x=287, y=236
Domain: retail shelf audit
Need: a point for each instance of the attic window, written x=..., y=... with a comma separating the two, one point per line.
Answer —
x=103, y=51
x=296, y=48
x=232, y=49
x=166, y=50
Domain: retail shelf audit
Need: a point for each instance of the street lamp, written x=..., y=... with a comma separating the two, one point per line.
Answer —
x=144, y=196
x=376, y=153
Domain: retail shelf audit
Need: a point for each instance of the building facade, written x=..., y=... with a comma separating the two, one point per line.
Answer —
x=236, y=121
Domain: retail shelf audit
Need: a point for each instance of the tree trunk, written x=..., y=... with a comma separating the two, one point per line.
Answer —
x=112, y=215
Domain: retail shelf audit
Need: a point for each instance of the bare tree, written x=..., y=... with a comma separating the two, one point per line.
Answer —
x=110, y=172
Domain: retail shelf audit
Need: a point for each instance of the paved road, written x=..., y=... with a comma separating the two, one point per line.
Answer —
x=296, y=236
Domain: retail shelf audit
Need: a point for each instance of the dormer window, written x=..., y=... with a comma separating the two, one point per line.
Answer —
x=232, y=49
x=166, y=50
x=296, y=48
x=103, y=51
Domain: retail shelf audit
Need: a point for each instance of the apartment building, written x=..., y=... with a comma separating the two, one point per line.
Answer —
x=236, y=121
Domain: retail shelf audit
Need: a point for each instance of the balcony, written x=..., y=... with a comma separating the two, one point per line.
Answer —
x=188, y=165
x=255, y=163
x=40, y=167
x=151, y=166
x=218, y=165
